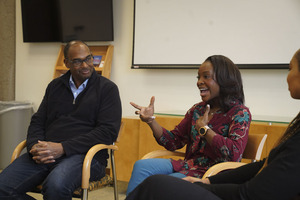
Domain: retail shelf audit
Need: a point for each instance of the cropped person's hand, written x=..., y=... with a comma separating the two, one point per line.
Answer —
x=46, y=152
x=194, y=179
x=203, y=120
x=146, y=113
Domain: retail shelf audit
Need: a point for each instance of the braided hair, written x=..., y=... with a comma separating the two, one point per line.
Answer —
x=291, y=130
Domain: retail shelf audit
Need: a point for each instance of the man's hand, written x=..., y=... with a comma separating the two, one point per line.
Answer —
x=46, y=152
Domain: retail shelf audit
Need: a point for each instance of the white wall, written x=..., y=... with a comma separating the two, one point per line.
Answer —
x=175, y=90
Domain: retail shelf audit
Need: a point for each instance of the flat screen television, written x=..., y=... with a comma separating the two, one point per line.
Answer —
x=66, y=20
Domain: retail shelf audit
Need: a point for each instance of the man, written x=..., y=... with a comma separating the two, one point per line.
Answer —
x=79, y=109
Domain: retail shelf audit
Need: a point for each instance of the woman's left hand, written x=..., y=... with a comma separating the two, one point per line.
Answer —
x=203, y=120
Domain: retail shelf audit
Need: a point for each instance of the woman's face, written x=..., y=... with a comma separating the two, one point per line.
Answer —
x=209, y=88
x=293, y=79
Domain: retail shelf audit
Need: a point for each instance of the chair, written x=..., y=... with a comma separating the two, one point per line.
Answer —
x=85, y=184
x=252, y=151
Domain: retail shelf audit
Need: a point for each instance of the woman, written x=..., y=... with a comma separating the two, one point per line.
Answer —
x=214, y=130
x=276, y=177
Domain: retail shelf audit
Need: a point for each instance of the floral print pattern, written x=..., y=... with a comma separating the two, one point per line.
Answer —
x=232, y=130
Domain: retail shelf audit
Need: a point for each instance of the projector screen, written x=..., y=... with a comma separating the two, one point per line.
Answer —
x=183, y=33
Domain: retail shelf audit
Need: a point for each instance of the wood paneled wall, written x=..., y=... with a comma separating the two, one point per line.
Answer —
x=137, y=140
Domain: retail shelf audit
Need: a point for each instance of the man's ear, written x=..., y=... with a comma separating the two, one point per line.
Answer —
x=66, y=63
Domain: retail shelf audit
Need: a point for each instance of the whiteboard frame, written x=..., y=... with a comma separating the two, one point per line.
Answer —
x=196, y=65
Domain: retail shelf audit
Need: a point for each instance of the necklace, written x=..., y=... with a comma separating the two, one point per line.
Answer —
x=212, y=113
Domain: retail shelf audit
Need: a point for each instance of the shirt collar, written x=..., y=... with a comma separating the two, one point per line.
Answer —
x=72, y=84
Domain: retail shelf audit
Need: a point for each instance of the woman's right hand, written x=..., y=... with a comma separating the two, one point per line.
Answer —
x=146, y=113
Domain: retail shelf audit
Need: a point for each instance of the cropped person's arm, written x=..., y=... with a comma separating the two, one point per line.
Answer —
x=238, y=175
x=278, y=180
x=227, y=184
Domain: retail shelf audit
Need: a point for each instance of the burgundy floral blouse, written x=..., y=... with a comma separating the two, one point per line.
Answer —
x=231, y=130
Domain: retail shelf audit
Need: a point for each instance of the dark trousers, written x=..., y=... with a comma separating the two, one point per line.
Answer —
x=163, y=187
x=59, y=179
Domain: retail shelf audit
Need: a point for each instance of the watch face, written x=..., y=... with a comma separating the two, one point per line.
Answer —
x=202, y=131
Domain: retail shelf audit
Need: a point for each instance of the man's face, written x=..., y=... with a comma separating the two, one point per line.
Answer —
x=80, y=63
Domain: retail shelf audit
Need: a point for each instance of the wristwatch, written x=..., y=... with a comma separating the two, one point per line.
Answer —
x=203, y=130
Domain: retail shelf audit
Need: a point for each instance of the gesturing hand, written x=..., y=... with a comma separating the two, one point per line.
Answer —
x=203, y=120
x=46, y=152
x=146, y=113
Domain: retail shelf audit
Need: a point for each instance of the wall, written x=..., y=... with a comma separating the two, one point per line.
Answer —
x=7, y=50
x=175, y=90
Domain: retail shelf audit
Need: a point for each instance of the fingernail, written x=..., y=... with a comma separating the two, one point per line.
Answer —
x=208, y=105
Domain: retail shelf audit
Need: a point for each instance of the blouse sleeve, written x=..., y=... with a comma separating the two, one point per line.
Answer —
x=178, y=137
x=230, y=146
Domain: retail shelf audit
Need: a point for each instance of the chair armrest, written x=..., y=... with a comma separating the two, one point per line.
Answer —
x=221, y=167
x=158, y=153
x=18, y=150
x=87, y=162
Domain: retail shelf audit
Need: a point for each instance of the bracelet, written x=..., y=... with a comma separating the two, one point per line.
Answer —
x=150, y=120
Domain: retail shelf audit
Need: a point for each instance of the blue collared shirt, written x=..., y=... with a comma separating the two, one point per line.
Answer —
x=77, y=91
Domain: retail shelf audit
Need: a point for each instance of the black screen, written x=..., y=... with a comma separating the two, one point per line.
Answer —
x=65, y=20
x=40, y=21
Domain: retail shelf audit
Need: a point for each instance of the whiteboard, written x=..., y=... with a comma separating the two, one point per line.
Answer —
x=263, y=33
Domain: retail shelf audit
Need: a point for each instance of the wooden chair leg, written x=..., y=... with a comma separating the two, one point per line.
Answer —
x=114, y=174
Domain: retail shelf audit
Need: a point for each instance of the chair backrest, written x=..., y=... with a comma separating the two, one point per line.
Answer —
x=254, y=146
